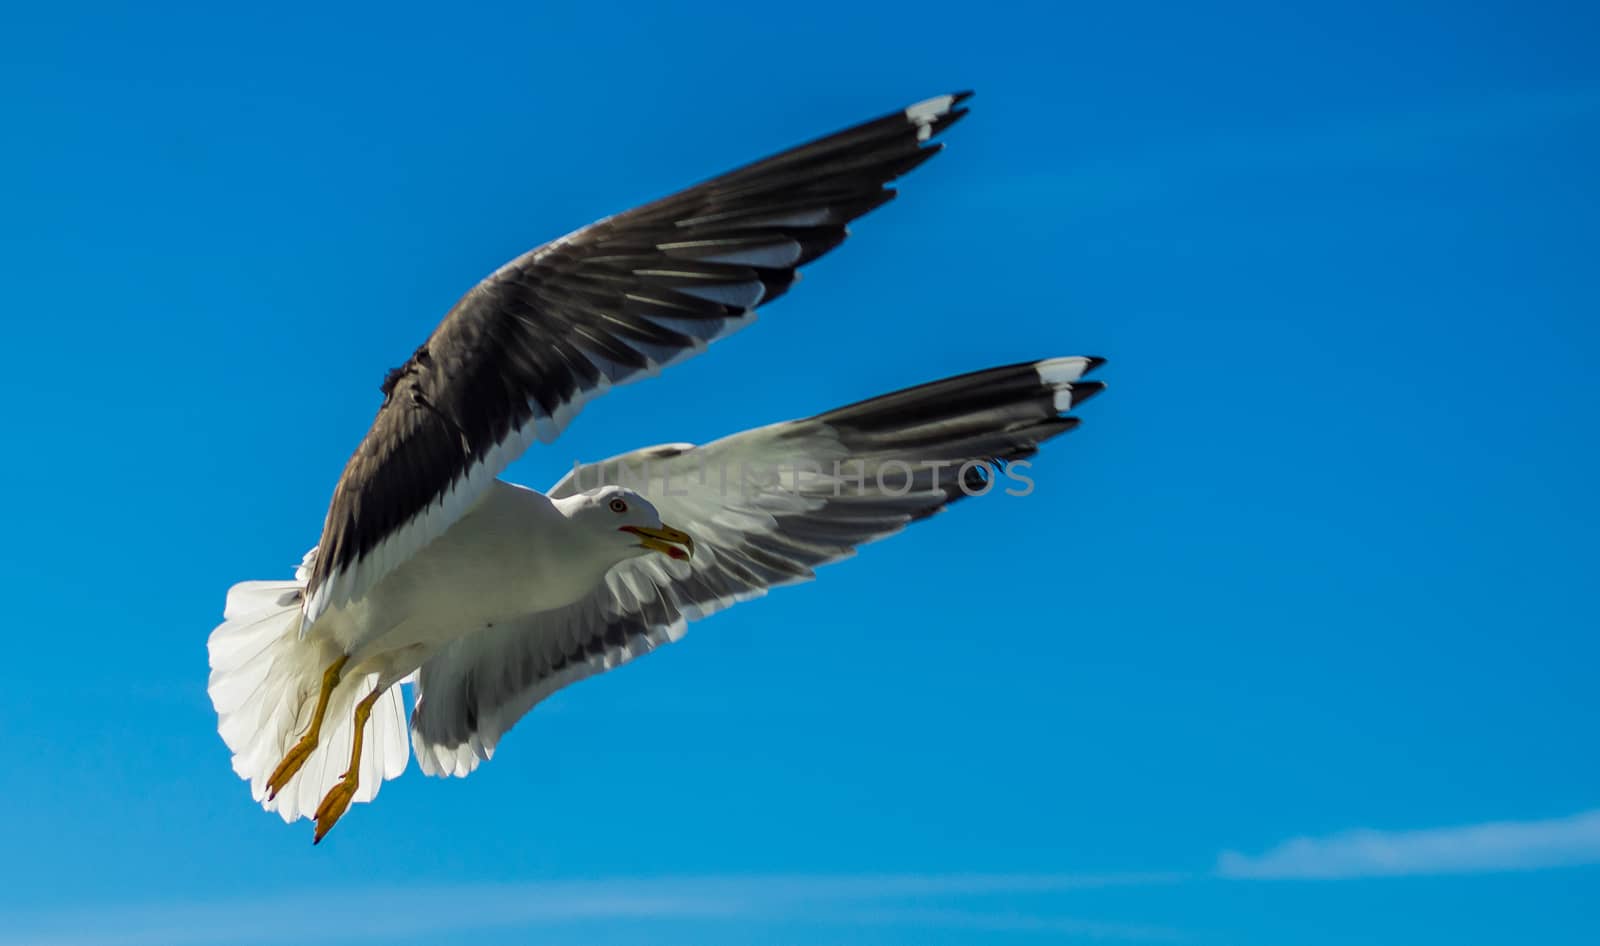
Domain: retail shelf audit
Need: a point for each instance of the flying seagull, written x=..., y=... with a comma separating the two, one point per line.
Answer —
x=489, y=596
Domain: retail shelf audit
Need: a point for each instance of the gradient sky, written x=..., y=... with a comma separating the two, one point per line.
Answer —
x=1295, y=643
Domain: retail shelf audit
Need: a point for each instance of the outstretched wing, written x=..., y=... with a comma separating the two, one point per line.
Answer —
x=521, y=353
x=765, y=508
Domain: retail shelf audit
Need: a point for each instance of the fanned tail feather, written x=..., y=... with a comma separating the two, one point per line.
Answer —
x=264, y=683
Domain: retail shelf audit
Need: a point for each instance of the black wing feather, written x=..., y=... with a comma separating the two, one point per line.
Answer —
x=617, y=300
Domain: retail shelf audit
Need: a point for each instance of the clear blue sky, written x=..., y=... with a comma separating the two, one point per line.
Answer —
x=1322, y=559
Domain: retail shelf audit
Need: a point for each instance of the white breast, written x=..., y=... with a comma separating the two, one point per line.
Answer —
x=512, y=555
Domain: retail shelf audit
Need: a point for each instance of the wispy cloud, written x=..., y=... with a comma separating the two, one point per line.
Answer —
x=990, y=903
x=410, y=913
x=1006, y=922
x=1495, y=846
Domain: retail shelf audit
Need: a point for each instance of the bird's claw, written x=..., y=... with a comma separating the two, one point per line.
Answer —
x=292, y=761
x=334, y=805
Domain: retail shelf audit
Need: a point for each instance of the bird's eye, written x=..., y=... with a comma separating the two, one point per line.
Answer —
x=618, y=505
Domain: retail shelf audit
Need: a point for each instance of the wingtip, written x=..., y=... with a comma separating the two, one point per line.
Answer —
x=1084, y=390
x=933, y=115
x=1058, y=371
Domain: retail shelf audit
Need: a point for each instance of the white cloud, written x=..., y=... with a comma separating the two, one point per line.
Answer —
x=1495, y=846
x=1004, y=922
x=408, y=914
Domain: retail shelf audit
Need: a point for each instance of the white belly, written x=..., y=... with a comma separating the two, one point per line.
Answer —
x=510, y=556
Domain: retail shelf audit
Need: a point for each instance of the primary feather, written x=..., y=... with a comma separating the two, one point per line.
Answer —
x=422, y=545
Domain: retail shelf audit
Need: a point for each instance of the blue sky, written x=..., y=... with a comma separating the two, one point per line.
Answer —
x=1293, y=645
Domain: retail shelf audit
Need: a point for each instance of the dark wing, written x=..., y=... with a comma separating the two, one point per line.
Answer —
x=765, y=508
x=521, y=353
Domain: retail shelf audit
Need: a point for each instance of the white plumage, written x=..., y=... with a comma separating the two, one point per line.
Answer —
x=491, y=596
x=261, y=675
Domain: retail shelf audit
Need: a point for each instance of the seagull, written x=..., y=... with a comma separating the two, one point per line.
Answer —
x=486, y=596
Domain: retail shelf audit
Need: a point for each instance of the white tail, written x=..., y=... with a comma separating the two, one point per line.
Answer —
x=264, y=682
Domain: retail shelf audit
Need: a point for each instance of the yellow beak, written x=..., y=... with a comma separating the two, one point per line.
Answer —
x=668, y=541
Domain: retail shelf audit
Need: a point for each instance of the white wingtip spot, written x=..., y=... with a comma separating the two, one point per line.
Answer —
x=1059, y=371
x=1061, y=374
x=926, y=112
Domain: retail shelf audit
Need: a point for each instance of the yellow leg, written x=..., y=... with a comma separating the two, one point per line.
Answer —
x=339, y=796
x=301, y=751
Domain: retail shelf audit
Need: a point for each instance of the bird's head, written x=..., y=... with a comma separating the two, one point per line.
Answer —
x=624, y=519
